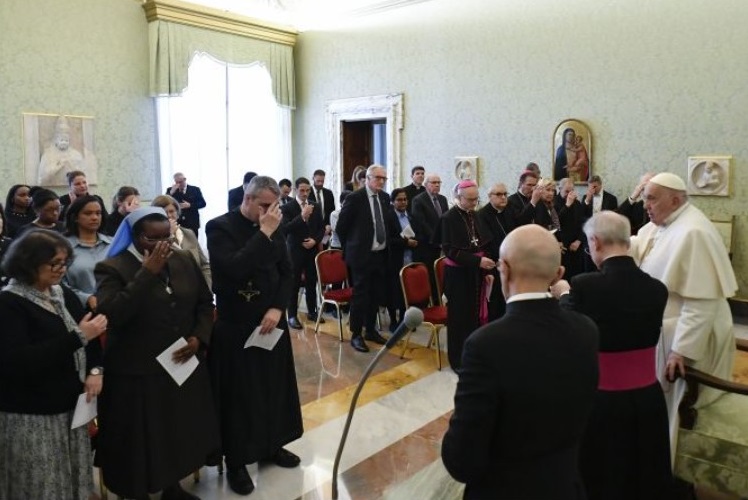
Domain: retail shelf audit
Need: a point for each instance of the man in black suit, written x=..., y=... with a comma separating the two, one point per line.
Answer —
x=633, y=206
x=500, y=222
x=625, y=452
x=190, y=200
x=522, y=203
x=597, y=199
x=286, y=187
x=362, y=228
x=526, y=385
x=236, y=195
x=571, y=234
x=302, y=223
x=416, y=187
x=323, y=197
x=428, y=208
x=405, y=247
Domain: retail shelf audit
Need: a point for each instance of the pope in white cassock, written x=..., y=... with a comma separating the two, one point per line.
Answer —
x=682, y=248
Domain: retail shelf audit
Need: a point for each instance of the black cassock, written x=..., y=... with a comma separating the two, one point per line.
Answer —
x=463, y=237
x=255, y=389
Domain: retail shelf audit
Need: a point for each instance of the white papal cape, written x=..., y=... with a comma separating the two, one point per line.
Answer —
x=688, y=255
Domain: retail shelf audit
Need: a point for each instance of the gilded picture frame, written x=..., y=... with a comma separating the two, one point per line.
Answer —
x=571, y=153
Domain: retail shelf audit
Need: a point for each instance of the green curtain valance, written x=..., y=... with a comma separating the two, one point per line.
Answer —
x=173, y=45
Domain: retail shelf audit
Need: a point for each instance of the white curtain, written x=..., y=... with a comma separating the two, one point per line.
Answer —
x=226, y=123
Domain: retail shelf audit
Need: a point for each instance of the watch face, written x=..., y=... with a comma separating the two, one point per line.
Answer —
x=95, y=371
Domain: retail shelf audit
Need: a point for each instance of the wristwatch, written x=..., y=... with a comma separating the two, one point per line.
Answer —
x=96, y=370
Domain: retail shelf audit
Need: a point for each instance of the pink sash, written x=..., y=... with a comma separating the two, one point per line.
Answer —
x=622, y=371
x=483, y=301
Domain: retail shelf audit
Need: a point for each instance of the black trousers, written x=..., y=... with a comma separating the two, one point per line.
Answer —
x=369, y=291
x=303, y=263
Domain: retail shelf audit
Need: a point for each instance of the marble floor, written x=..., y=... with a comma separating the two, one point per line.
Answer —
x=393, y=448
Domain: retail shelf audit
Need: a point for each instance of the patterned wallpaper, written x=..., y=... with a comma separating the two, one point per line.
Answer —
x=655, y=81
x=80, y=57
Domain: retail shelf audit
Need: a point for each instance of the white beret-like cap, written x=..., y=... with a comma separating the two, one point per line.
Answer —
x=668, y=180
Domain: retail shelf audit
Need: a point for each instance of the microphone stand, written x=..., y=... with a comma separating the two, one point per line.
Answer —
x=411, y=319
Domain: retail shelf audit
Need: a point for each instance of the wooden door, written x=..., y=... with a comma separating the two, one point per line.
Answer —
x=357, y=146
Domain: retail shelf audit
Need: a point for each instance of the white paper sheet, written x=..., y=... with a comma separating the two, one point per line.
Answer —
x=266, y=341
x=407, y=232
x=179, y=372
x=84, y=412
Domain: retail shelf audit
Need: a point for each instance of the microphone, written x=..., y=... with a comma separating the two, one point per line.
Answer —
x=412, y=318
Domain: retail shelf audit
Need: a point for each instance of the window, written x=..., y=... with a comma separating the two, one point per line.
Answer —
x=225, y=124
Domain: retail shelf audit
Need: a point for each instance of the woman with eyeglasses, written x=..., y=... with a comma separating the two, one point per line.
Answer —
x=184, y=238
x=152, y=431
x=48, y=358
x=46, y=205
x=82, y=228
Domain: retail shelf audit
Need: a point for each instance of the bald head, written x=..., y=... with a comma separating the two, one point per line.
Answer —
x=530, y=260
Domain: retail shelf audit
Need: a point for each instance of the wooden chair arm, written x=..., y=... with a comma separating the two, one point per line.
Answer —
x=741, y=344
x=692, y=374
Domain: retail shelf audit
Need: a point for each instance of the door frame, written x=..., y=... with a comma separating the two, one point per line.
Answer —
x=388, y=107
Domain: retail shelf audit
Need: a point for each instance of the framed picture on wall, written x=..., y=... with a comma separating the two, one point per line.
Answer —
x=466, y=168
x=572, y=151
x=55, y=145
x=708, y=175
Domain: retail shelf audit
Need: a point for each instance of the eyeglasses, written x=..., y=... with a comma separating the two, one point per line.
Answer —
x=502, y=193
x=379, y=177
x=156, y=240
x=58, y=266
x=435, y=182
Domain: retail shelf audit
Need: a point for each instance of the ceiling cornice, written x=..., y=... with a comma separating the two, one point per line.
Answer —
x=217, y=20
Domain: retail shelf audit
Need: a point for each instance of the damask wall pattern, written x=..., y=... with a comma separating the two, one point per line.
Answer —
x=656, y=82
x=80, y=57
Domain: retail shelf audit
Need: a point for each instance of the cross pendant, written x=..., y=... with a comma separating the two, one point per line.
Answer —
x=249, y=293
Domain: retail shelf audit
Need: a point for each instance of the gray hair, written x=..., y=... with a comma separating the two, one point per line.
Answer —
x=260, y=183
x=370, y=170
x=609, y=227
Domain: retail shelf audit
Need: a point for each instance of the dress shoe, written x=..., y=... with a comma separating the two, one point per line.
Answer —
x=286, y=459
x=239, y=480
x=313, y=318
x=175, y=492
x=294, y=323
x=373, y=336
x=357, y=342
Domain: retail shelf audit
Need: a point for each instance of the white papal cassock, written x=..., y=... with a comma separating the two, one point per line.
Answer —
x=688, y=255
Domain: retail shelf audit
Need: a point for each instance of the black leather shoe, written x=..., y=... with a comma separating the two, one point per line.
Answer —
x=286, y=459
x=357, y=342
x=239, y=480
x=294, y=323
x=175, y=492
x=313, y=318
x=375, y=337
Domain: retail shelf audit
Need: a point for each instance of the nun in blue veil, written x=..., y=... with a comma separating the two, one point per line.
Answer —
x=153, y=431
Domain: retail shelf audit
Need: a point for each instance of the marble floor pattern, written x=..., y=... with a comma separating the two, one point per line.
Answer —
x=393, y=448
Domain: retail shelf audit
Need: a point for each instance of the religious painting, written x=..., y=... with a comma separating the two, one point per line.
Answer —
x=572, y=151
x=55, y=145
x=708, y=175
x=466, y=168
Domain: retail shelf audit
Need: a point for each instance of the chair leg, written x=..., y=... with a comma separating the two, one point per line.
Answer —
x=340, y=320
x=319, y=317
x=405, y=347
x=102, y=487
x=438, y=349
x=220, y=468
x=196, y=476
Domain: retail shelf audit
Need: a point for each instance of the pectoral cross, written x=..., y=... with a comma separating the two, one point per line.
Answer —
x=250, y=292
x=474, y=241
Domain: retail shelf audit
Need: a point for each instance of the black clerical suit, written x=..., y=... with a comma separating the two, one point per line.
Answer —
x=625, y=453
x=189, y=217
x=302, y=259
x=571, y=231
x=328, y=203
x=521, y=209
x=635, y=213
x=356, y=231
x=235, y=197
x=251, y=274
x=610, y=202
x=525, y=389
x=499, y=224
x=411, y=191
x=423, y=209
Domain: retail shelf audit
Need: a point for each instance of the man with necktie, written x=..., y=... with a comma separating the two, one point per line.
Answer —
x=428, y=207
x=362, y=228
x=322, y=197
x=190, y=200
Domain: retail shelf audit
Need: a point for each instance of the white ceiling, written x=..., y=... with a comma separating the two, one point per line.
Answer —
x=306, y=14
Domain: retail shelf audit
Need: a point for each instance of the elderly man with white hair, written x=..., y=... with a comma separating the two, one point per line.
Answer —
x=682, y=248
